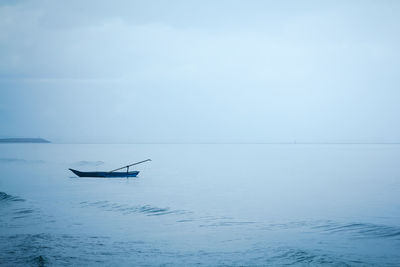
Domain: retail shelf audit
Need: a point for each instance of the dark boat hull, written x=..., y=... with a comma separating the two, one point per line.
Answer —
x=105, y=174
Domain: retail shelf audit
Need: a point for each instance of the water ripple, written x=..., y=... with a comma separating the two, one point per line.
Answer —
x=361, y=230
x=17, y=213
x=22, y=213
x=301, y=257
x=4, y=197
x=147, y=210
x=46, y=249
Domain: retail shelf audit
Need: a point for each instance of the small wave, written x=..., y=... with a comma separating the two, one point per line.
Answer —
x=6, y=197
x=216, y=221
x=24, y=250
x=295, y=256
x=154, y=211
x=128, y=209
x=17, y=160
x=39, y=261
x=23, y=213
x=47, y=250
x=227, y=223
x=362, y=230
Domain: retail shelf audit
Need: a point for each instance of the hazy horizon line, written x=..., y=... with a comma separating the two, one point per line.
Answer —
x=231, y=143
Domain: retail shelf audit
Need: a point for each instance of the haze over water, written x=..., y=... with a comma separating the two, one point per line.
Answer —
x=272, y=125
x=198, y=204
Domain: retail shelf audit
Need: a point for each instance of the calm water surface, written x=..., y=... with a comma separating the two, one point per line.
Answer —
x=240, y=205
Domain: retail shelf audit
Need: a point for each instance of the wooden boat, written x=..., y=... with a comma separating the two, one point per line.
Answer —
x=105, y=174
x=111, y=174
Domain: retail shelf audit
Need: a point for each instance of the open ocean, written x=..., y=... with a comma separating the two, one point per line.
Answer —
x=201, y=204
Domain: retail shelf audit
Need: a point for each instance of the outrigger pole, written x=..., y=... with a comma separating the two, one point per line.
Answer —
x=127, y=166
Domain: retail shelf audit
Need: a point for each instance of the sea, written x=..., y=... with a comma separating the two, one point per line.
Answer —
x=201, y=205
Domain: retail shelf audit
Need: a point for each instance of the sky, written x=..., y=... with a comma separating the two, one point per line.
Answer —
x=200, y=71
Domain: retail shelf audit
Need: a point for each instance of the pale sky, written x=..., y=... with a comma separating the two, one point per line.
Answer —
x=200, y=71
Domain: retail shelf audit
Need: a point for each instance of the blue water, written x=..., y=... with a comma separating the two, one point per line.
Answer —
x=206, y=205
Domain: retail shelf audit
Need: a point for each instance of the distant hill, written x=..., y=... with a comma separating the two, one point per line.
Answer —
x=23, y=140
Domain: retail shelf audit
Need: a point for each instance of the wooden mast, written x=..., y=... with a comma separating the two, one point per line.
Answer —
x=127, y=166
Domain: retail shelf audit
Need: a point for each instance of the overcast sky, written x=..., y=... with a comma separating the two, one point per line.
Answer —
x=200, y=71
